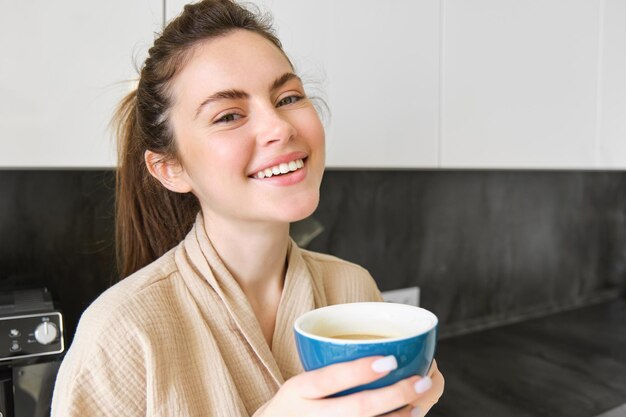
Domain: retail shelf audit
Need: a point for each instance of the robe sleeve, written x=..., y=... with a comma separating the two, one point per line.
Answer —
x=103, y=374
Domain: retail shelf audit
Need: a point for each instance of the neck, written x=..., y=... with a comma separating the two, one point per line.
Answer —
x=255, y=254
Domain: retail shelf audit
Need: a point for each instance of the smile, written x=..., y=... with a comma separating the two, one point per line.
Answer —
x=279, y=169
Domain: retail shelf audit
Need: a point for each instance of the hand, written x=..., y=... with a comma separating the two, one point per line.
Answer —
x=431, y=396
x=305, y=394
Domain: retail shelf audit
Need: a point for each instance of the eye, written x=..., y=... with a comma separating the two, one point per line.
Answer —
x=289, y=100
x=227, y=118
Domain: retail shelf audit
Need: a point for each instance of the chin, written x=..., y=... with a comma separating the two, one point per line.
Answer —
x=301, y=209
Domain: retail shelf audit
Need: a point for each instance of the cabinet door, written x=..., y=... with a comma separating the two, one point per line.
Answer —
x=65, y=65
x=520, y=83
x=612, y=129
x=376, y=64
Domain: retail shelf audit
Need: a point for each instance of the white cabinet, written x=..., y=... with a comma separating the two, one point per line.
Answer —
x=383, y=83
x=612, y=111
x=507, y=84
x=520, y=83
x=377, y=66
x=64, y=66
x=410, y=84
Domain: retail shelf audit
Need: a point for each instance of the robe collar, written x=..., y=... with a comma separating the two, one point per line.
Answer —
x=301, y=293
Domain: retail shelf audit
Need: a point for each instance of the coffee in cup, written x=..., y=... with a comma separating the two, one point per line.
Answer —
x=345, y=332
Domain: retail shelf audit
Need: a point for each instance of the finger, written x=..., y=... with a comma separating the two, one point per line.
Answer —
x=382, y=400
x=406, y=411
x=431, y=397
x=341, y=376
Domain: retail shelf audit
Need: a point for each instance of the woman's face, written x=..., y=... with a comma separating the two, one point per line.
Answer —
x=239, y=114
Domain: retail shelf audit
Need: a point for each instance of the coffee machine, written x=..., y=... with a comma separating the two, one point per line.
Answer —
x=31, y=345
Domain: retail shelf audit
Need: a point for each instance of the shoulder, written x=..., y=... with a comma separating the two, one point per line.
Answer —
x=126, y=312
x=111, y=342
x=344, y=281
x=104, y=368
x=131, y=295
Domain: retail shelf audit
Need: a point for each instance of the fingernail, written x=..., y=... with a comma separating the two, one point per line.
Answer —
x=416, y=412
x=423, y=385
x=388, y=363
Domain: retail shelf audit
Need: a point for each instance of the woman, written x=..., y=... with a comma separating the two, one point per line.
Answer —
x=220, y=150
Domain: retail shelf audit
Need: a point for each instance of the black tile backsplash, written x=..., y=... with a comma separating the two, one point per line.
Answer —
x=483, y=246
x=56, y=230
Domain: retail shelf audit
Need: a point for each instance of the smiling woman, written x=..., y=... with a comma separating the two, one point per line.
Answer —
x=220, y=149
x=246, y=125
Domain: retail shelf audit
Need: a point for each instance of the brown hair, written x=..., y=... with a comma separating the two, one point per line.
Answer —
x=151, y=219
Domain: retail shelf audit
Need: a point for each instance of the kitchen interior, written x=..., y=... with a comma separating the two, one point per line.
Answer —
x=476, y=156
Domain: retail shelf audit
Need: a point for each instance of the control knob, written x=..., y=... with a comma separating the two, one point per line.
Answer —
x=46, y=333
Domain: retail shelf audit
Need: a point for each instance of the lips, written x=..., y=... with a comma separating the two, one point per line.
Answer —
x=281, y=165
x=280, y=169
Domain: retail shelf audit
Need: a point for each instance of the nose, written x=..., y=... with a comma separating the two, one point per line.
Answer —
x=272, y=126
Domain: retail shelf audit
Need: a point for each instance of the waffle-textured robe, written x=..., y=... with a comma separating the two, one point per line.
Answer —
x=179, y=338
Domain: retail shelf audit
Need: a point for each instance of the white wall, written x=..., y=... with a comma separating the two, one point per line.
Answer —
x=520, y=83
x=611, y=132
x=537, y=84
x=62, y=72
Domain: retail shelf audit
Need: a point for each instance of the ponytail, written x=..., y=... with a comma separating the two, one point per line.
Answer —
x=150, y=219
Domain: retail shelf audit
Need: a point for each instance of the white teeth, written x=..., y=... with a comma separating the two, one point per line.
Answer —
x=280, y=169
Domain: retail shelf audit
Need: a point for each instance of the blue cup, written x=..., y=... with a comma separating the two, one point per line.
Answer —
x=342, y=332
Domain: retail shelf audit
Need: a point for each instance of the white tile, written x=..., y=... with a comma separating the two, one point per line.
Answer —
x=612, y=129
x=64, y=69
x=383, y=79
x=173, y=8
x=520, y=83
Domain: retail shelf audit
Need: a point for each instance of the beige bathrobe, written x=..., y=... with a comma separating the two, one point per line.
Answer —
x=179, y=338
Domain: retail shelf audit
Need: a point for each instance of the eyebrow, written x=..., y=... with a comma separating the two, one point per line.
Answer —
x=234, y=94
x=222, y=95
x=282, y=80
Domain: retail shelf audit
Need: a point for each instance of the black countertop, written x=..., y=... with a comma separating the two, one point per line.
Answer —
x=570, y=364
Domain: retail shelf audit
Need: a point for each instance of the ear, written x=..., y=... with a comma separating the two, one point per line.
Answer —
x=169, y=172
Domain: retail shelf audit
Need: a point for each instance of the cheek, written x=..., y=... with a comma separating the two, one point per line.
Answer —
x=320, y=133
x=311, y=128
x=318, y=139
x=222, y=154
